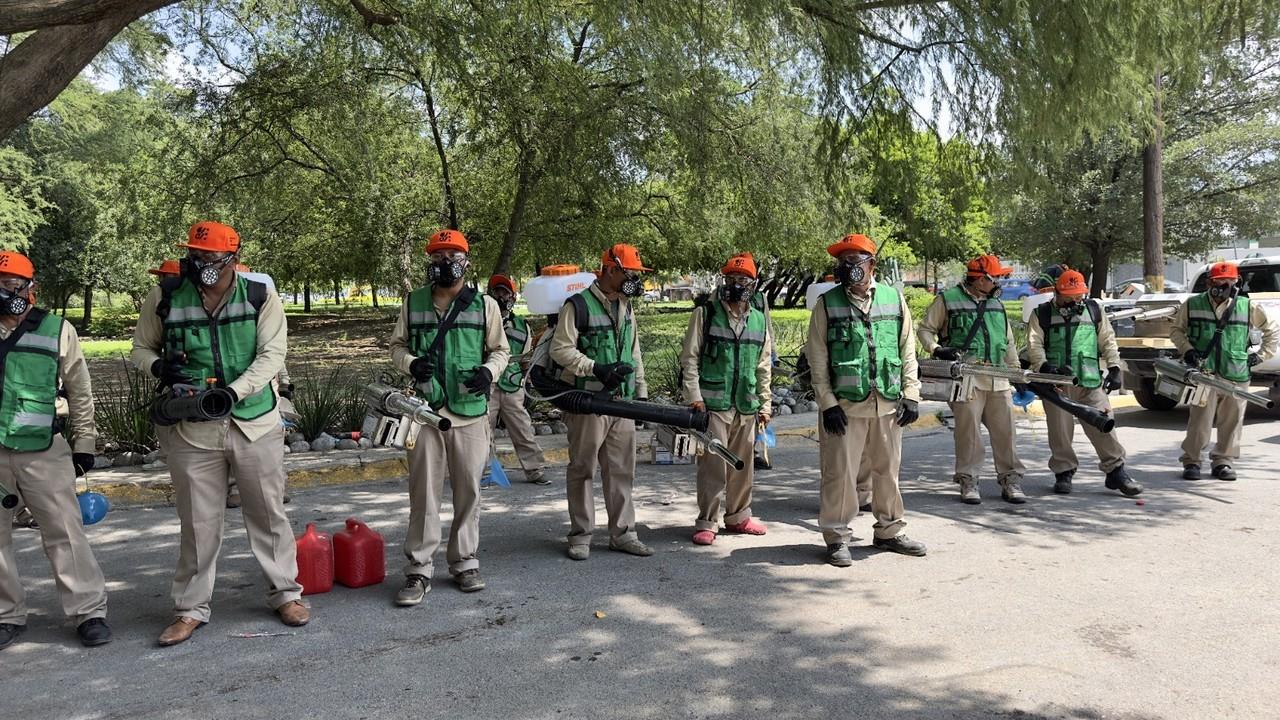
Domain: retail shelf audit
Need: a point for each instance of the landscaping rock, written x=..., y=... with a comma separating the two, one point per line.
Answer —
x=127, y=459
x=501, y=432
x=348, y=444
x=544, y=429
x=784, y=410
x=295, y=437
x=366, y=443
x=559, y=428
x=101, y=461
x=151, y=457
x=300, y=447
x=324, y=443
x=287, y=449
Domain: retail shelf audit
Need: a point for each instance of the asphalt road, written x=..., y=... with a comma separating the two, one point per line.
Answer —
x=1080, y=606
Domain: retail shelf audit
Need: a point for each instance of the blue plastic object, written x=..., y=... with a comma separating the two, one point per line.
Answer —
x=496, y=475
x=93, y=507
x=768, y=437
x=1023, y=398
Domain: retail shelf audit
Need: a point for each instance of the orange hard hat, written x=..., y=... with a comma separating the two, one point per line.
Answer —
x=1071, y=282
x=15, y=263
x=624, y=256
x=168, y=268
x=1227, y=270
x=502, y=281
x=212, y=236
x=448, y=240
x=852, y=243
x=740, y=263
x=987, y=265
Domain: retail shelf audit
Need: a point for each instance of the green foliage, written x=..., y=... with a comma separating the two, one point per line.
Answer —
x=122, y=409
x=918, y=300
x=328, y=401
x=21, y=202
x=112, y=322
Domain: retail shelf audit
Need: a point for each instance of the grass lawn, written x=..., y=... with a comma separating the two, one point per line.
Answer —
x=106, y=349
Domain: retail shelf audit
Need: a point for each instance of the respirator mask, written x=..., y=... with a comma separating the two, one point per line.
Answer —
x=1223, y=292
x=852, y=270
x=11, y=303
x=204, y=272
x=447, y=271
x=737, y=289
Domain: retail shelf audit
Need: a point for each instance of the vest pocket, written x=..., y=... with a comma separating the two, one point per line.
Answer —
x=892, y=370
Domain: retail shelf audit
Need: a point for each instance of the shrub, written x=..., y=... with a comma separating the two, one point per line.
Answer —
x=123, y=409
x=329, y=401
x=112, y=322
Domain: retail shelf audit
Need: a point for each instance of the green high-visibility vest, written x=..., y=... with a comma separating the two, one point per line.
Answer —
x=30, y=389
x=518, y=338
x=598, y=340
x=1072, y=342
x=991, y=339
x=460, y=354
x=221, y=347
x=727, y=364
x=1230, y=359
x=862, y=350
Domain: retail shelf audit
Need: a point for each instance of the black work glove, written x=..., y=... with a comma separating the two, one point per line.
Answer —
x=1254, y=359
x=1022, y=387
x=480, y=382
x=83, y=462
x=286, y=391
x=422, y=369
x=1051, y=369
x=834, y=420
x=1192, y=357
x=172, y=370
x=1112, y=383
x=946, y=353
x=908, y=412
x=612, y=375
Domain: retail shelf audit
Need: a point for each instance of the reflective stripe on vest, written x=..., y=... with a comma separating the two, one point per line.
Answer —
x=600, y=342
x=727, y=363
x=849, y=347
x=991, y=339
x=517, y=331
x=1230, y=359
x=460, y=354
x=30, y=386
x=221, y=347
x=1080, y=335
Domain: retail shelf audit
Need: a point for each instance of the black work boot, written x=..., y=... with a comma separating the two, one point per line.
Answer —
x=1118, y=479
x=9, y=633
x=94, y=632
x=1062, y=482
x=1190, y=472
x=900, y=544
x=838, y=554
x=1224, y=472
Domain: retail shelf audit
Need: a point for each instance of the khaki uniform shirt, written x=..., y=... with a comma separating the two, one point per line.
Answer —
x=1257, y=318
x=691, y=353
x=816, y=351
x=564, y=343
x=497, y=350
x=273, y=344
x=73, y=377
x=935, y=323
x=1108, y=351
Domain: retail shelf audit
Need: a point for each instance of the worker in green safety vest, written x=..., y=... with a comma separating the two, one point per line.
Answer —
x=862, y=358
x=1211, y=330
x=968, y=323
x=596, y=347
x=1071, y=335
x=449, y=338
x=726, y=370
x=39, y=355
x=507, y=401
x=211, y=327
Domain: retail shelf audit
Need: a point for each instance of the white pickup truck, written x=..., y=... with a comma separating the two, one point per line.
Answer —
x=1143, y=340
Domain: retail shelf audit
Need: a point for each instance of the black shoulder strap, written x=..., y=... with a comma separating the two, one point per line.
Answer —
x=257, y=294
x=168, y=287
x=978, y=322
x=1044, y=313
x=463, y=299
x=30, y=322
x=581, y=314
x=1095, y=311
x=708, y=315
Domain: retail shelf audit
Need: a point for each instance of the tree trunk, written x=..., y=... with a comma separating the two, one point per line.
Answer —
x=337, y=297
x=515, y=224
x=405, y=260
x=88, y=308
x=450, y=203
x=1100, y=256
x=44, y=63
x=306, y=296
x=1153, y=200
x=373, y=293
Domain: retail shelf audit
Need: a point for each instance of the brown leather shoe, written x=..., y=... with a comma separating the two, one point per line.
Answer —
x=179, y=630
x=294, y=613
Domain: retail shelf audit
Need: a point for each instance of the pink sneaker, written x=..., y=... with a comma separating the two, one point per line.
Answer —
x=750, y=526
x=704, y=537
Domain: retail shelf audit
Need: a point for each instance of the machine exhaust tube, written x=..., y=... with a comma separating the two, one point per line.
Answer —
x=1091, y=416
x=1191, y=376
x=571, y=400
x=8, y=500
x=392, y=401
x=955, y=370
x=202, y=406
x=715, y=447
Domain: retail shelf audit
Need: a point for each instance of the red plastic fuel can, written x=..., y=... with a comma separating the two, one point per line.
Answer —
x=359, y=555
x=315, y=561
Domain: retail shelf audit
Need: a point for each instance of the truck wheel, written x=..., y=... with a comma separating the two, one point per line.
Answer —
x=1144, y=391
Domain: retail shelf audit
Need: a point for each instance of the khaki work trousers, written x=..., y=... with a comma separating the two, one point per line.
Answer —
x=720, y=487
x=510, y=407
x=45, y=481
x=995, y=411
x=200, y=492
x=610, y=444
x=1227, y=415
x=873, y=441
x=1062, y=428
x=461, y=454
